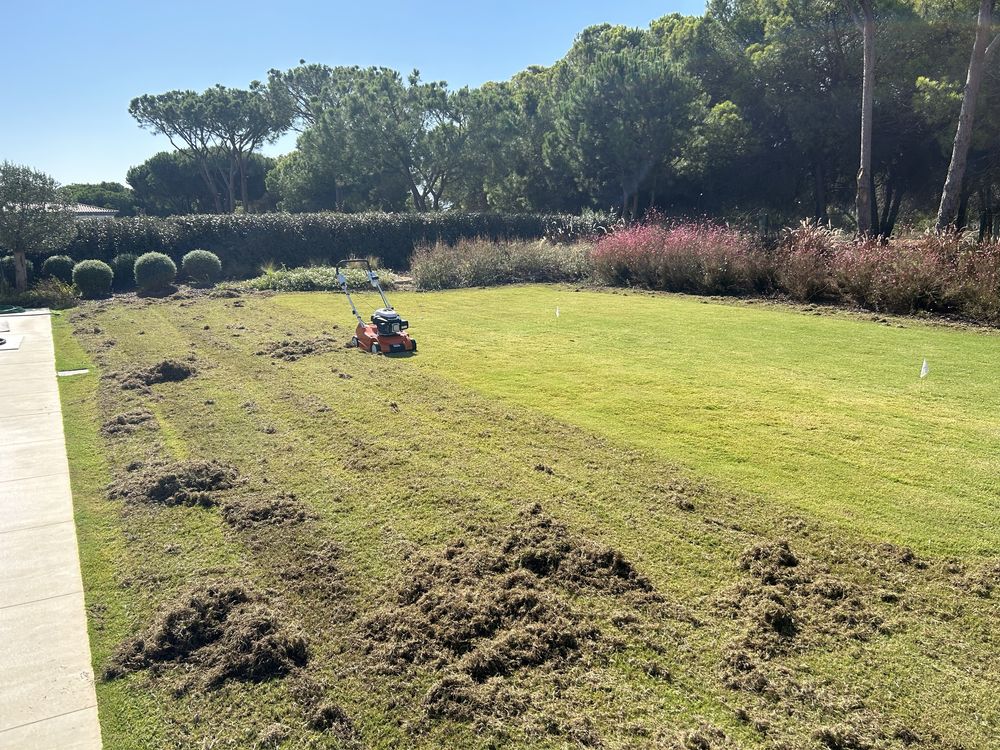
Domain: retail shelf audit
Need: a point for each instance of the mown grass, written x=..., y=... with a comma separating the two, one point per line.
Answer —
x=407, y=455
x=822, y=413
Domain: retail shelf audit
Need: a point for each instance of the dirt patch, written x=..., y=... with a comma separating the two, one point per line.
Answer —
x=181, y=483
x=480, y=614
x=705, y=737
x=219, y=632
x=254, y=511
x=129, y=422
x=167, y=371
x=291, y=350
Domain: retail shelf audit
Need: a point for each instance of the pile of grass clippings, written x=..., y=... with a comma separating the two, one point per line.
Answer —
x=788, y=606
x=167, y=371
x=478, y=615
x=180, y=483
x=219, y=632
x=292, y=350
x=255, y=511
x=128, y=422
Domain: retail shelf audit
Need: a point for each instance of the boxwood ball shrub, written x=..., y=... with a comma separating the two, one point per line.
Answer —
x=58, y=267
x=123, y=265
x=202, y=266
x=93, y=278
x=154, y=272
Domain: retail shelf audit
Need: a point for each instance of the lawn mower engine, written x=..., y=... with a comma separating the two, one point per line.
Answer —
x=384, y=335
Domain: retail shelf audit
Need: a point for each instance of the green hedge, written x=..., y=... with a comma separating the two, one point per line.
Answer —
x=245, y=243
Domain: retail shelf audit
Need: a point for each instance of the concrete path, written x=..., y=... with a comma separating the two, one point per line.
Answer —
x=47, y=697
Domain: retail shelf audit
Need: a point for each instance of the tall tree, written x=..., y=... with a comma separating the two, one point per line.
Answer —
x=303, y=88
x=866, y=180
x=243, y=120
x=222, y=120
x=181, y=117
x=415, y=128
x=34, y=216
x=621, y=139
x=170, y=183
x=982, y=51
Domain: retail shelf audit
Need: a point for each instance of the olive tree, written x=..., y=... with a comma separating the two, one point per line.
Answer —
x=34, y=216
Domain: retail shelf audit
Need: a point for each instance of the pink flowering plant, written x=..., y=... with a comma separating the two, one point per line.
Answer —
x=699, y=258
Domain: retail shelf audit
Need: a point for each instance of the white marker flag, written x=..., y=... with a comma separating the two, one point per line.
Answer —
x=557, y=312
x=924, y=370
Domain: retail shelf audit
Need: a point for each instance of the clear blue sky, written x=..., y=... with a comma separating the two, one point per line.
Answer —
x=71, y=68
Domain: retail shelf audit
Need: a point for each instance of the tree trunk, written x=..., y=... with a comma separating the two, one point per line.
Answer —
x=20, y=271
x=231, y=185
x=890, y=226
x=887, y=196
x=873, y=213
x=863, y=202
x=963, y=210
x=243, y=184
x=418, y=200
x=952, y=191
x=819, y=192
x=212, y=187
x=986, y=214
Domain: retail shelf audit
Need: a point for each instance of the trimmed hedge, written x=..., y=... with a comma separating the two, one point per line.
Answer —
x=93, y=278
x=58, y=267
x=124, y=267
x=154, y=272
x=202, y=266
x=246, y=243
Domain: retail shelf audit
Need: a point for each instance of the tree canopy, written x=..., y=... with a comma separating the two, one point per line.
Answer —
x=752, y=108
x=34, y=216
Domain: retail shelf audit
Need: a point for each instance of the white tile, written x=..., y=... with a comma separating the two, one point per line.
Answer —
x=39, y=563
x=21, y=387
x=44, y=660
x=29, y=428
x=16, y=406
x=35, y=459
x=38, y=501
x=78, y=730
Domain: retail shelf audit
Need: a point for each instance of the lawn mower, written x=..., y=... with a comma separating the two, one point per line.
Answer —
x=384, y=335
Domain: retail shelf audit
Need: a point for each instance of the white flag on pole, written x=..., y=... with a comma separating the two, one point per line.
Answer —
x=924, y=370
x=557, y=312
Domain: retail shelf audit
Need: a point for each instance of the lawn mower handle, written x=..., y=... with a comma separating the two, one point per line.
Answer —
x=372, y=279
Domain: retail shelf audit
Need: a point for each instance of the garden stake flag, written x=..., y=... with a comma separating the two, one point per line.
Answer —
x=924, y=370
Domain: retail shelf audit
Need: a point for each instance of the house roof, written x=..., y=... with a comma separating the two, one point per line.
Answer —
x=83, y=209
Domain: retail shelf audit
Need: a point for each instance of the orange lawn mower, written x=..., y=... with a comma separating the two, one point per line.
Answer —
x=384, y=335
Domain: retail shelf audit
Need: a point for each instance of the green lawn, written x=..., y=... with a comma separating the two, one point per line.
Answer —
x=822, y=414
x=684, y=435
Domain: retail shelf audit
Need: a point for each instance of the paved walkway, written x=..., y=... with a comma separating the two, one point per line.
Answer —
x=47, y=697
